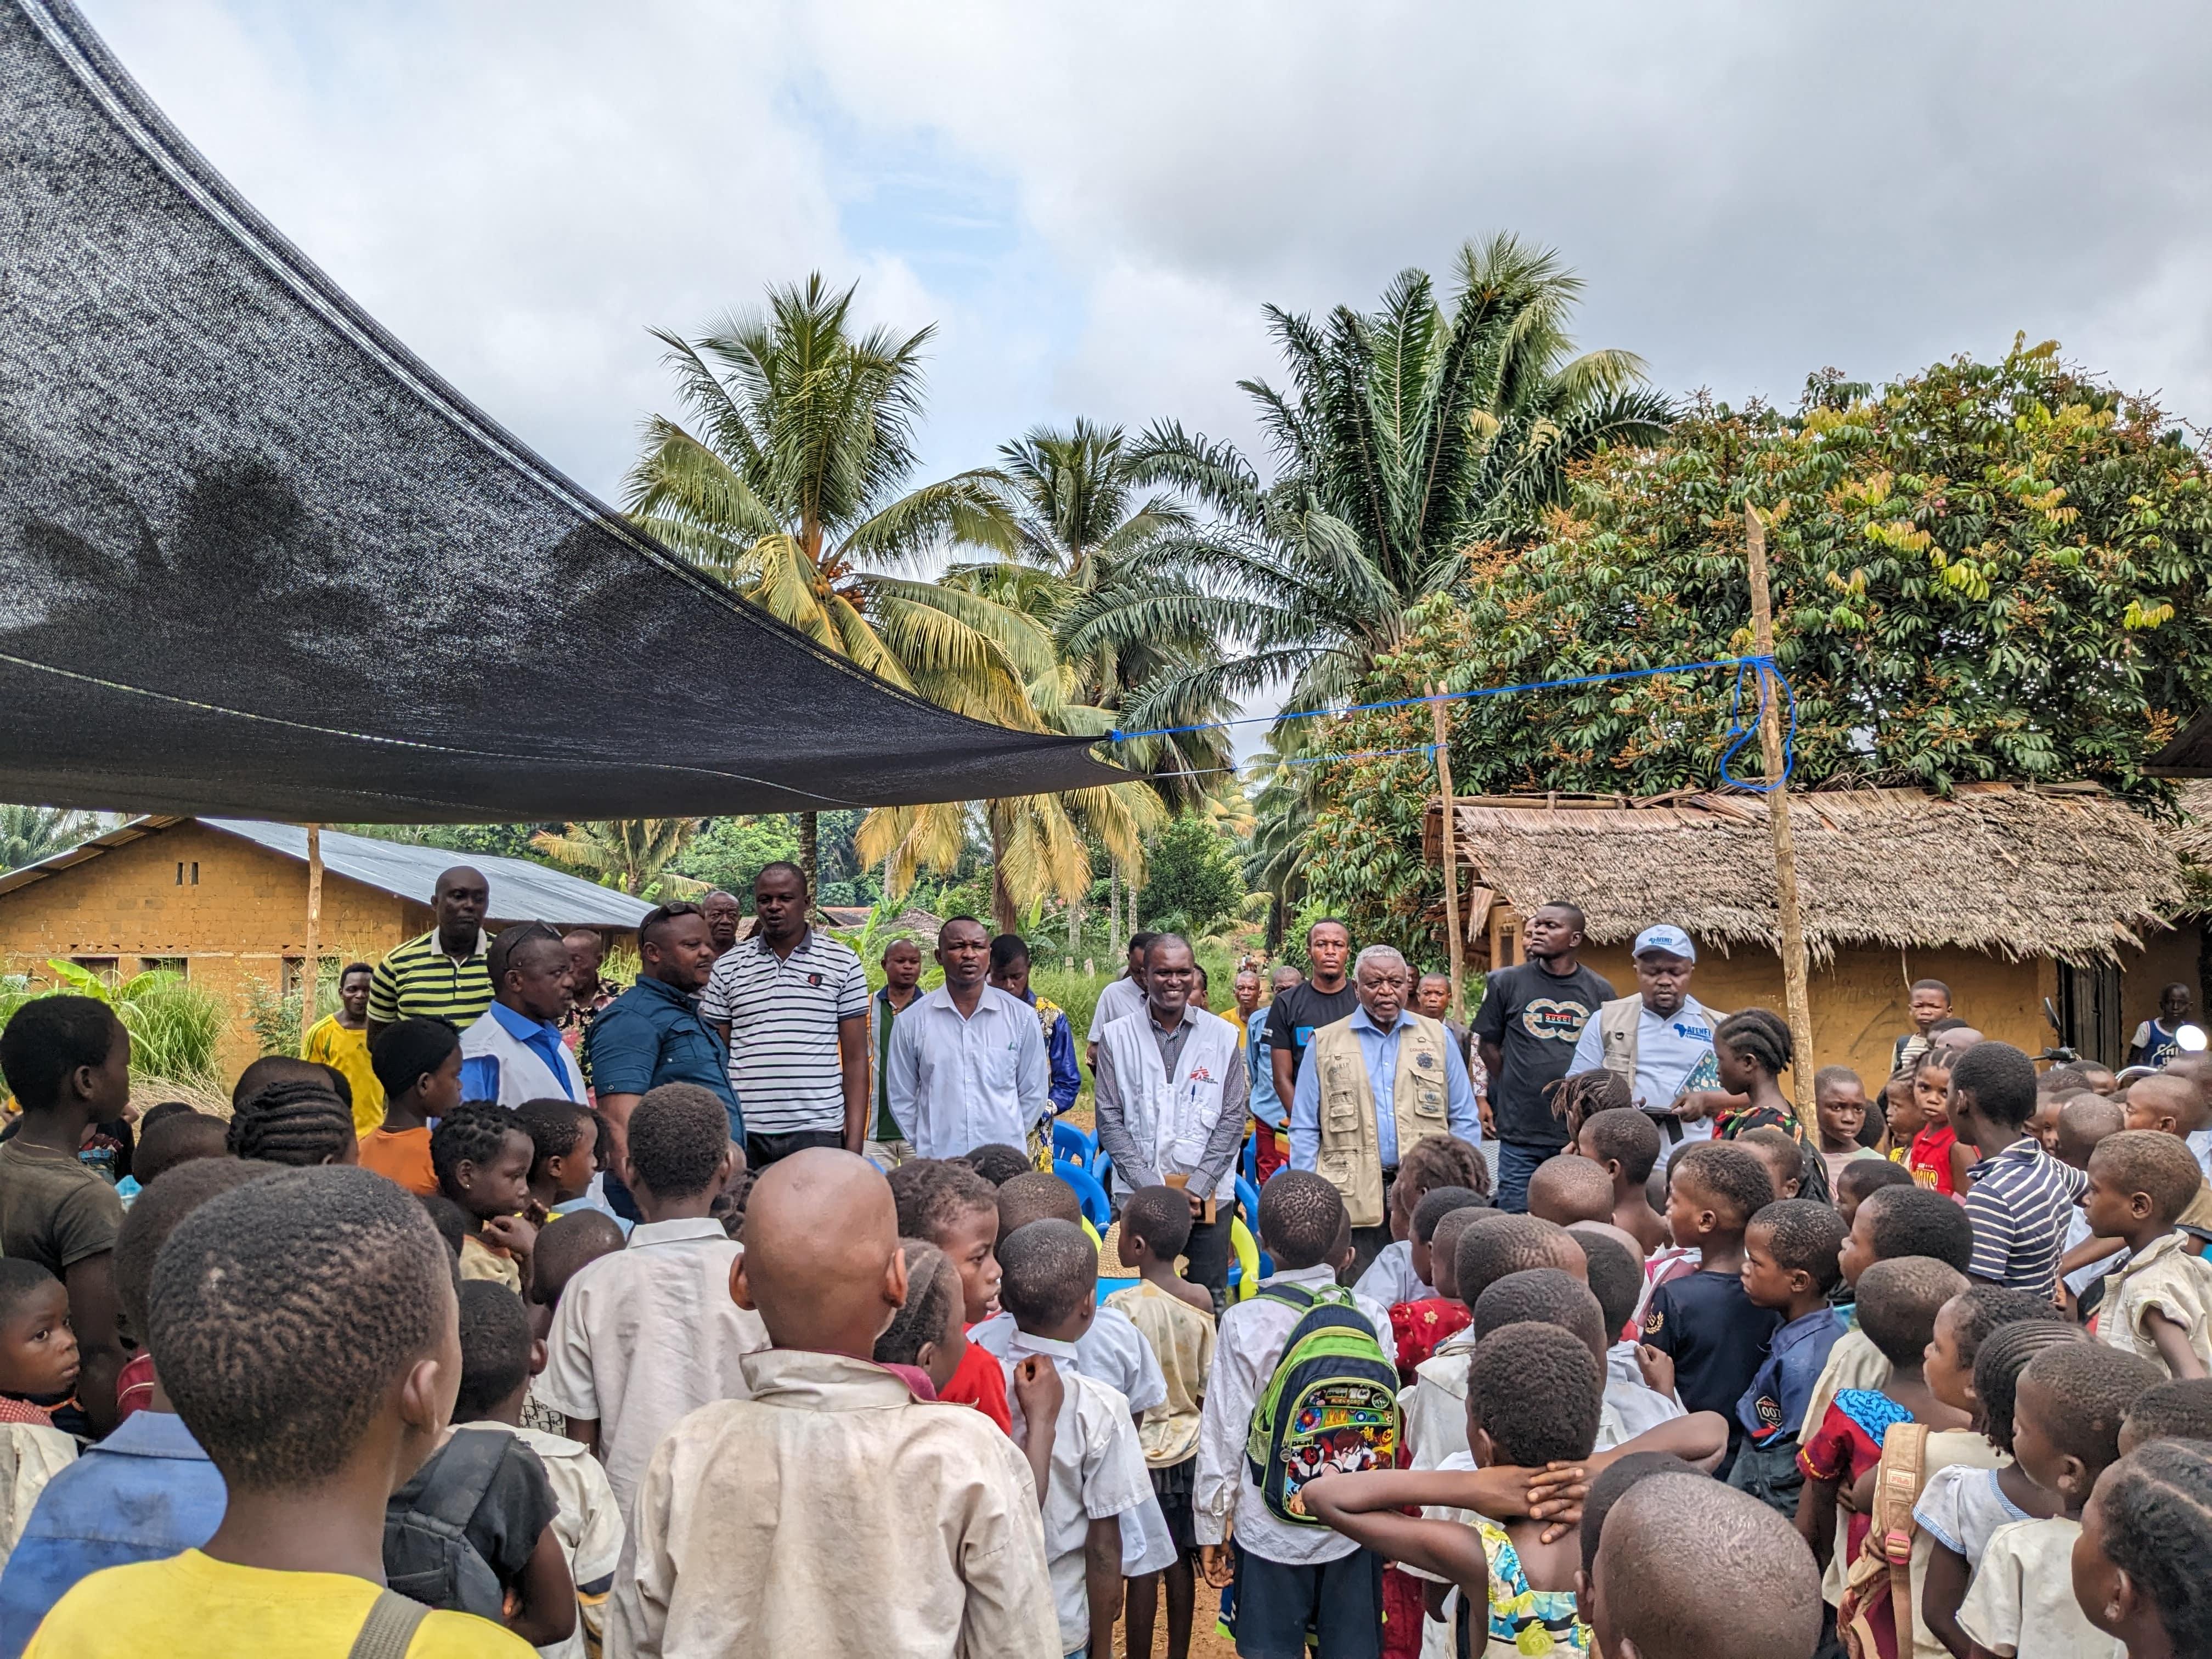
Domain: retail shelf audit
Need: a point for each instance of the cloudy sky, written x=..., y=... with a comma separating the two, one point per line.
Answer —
x=1093, y=203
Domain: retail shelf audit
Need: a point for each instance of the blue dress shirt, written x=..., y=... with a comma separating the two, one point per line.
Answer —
x=1266, y=1105
x=1379, y=1048
x=480, y=1073
x=144, y=1493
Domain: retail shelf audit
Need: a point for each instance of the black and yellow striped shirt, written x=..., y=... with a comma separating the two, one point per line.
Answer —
x=419, y=980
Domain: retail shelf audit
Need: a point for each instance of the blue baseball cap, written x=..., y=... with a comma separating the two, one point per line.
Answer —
x=1671, y=941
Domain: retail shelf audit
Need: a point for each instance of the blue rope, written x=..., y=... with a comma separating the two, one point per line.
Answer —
x=1119, y=736
x=1762, y=671
x=1765, y=676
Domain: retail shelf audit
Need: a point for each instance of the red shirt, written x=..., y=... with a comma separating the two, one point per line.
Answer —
x=1929, y=1160
x=981, y=1382
x=1419, y=1327
x=134, y=1388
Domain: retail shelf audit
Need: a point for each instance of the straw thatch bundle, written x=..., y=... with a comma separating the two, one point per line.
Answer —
x=2011, y=870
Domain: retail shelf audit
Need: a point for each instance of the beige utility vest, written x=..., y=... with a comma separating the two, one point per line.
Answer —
x=1350, y=1156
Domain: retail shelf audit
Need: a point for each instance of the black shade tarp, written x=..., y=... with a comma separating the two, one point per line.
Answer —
x=256, y=559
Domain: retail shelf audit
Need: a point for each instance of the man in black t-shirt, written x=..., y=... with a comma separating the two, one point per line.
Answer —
x=1325, y=998
x=1525, y=1031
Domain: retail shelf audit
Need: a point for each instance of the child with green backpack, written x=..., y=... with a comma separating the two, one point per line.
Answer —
x=1303, y=1383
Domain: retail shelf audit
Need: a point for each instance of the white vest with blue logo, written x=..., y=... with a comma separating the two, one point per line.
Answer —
x=523, y=1072
x=1173, y=1118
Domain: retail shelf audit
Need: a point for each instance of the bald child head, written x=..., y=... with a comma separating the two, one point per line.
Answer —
x=1570, y=1188
x=1755, y=1595
x=822, y=1264
x=2171, y=1105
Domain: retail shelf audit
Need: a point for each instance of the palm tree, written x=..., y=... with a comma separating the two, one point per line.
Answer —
x=28, y=834
x=793, y=483
x=1408, y=438
x=634, y=851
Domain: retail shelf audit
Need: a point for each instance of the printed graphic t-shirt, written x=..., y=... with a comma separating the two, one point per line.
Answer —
x=1302, y=1011
x=1534, y=1018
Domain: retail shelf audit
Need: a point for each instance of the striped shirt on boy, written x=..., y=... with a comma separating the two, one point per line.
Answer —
x=2021, y=1202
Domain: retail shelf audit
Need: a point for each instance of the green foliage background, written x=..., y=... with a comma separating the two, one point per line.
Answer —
x=1985, y=570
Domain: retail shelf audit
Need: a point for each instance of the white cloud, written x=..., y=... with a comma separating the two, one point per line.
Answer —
x=1093, y=203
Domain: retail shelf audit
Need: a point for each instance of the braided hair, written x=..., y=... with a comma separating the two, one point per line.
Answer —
x=1759, y=1035
x=2158, y=1528
x=2003, y=1355
x=298, y=1121
x=1580, y=1095
x=933, y=1290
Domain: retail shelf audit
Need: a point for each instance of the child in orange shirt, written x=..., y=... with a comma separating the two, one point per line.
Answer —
x=418, y=1061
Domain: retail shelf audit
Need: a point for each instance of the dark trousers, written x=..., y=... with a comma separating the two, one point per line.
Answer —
x=1207, y=1256
x=761, y=1150
x=1340, y=1600
x=1517, y=1162
x=1368, y=1243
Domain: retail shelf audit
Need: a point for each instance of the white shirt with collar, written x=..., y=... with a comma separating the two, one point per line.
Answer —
x=1097, y=1469
x=1244, y=1358
x=827, y=1512
x=955, y=1082
x=644, y=1335
x=1113, y=1351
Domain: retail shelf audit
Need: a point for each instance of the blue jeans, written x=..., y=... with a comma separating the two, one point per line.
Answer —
x=1517, y=1162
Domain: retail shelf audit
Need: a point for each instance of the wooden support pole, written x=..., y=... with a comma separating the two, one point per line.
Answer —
x=1795, y=991
x=1452, y=930
x=311, y=967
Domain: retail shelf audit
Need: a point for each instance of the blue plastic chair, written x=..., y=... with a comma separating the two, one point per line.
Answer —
x=1088, y=1193
x=1071, y=1143
x=1248, y=1195
x=1103, y=1168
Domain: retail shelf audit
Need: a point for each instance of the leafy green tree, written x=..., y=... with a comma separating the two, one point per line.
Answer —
x=1983, y=571
x=793, y=483
x=1405, y=435
x=730, y=851
x=1191, y=875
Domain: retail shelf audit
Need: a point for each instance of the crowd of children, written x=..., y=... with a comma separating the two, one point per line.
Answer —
x=1935, y=1381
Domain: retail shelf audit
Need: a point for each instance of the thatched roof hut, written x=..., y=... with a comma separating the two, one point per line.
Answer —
x=1896, y=884
x=2012, y=870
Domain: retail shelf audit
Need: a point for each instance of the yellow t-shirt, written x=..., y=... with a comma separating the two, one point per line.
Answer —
x=193, y=1607
x=329, y=1043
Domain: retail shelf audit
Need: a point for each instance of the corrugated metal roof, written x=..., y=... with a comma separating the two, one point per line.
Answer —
x=520, y=891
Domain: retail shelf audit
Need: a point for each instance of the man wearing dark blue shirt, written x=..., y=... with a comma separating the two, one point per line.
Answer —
x=653, y=1034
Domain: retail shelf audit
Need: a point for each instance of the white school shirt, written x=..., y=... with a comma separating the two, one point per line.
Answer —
x=1097, y=1469
x=956, y=1083
x=1113, y=1350
x=2021, y=1604
x=1244, y=1355
x=1390, y=1278
x=644, y=1335
x=828, y=1513
x=1147, y=1546
x=1631, y=1405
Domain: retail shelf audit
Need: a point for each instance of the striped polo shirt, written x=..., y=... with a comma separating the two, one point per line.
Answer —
x=2021, y=1202
x=783, y=1014
x=419, y=980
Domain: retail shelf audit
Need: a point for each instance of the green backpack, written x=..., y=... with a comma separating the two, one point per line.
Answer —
x=1331, y=1406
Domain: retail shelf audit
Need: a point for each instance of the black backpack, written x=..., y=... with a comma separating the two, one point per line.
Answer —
x=426, y=1554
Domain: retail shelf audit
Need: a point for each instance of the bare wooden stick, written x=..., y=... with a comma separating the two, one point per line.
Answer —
x=311, y=968
x=1795, y=991
x=1452, y=858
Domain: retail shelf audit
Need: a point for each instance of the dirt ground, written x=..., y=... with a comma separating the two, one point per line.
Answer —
x=1206, y=1640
